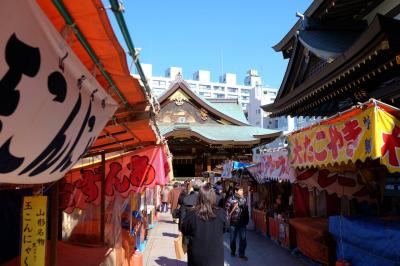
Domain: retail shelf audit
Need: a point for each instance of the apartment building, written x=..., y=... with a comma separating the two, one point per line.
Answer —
x=226, y=88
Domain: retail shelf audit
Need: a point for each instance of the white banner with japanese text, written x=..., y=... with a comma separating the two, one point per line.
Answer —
x=274, y=165
x=51, y=108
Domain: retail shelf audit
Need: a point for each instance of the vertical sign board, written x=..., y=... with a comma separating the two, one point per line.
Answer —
x=34, y=221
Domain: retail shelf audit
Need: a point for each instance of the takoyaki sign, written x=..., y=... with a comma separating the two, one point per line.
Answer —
x=51, y=107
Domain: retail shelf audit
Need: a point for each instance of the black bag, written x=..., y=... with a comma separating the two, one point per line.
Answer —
x=176, y=214
x=244, y=216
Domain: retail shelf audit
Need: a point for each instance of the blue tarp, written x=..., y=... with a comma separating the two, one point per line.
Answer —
x=238, y=165
x=366, y=241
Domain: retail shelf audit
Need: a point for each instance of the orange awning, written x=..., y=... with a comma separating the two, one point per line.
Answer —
x=132, y=123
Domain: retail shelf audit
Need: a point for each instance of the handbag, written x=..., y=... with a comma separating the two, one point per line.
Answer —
x=180, y=247
x=176, y=214
x=230, y=213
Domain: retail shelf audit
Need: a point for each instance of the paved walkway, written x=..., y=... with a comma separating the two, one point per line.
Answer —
x=160, y=248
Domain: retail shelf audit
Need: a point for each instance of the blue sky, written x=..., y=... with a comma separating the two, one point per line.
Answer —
x=216, y=35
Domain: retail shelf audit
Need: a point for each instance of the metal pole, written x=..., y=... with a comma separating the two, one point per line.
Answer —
x=70, y=22
x=103, y=198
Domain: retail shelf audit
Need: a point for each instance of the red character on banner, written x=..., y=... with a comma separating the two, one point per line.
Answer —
x=336, y=141
x=296, y=152
x=306, y=174
x=324, y=180
x=66, y=195
x=320, y=155
x=351, y=132
x=113, y=182
x=391, y=142
x=88, y=185
x=142, y=173
x=308, y=150
x=281, y=164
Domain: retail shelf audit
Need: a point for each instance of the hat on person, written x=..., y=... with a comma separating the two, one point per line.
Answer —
x=196, y=184
x=218, y=187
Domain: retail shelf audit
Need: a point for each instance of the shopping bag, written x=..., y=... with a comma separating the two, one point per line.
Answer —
x=180, y=248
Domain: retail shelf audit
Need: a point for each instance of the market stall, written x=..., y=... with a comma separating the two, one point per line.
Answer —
x=129, y=185
x=272, y=195
x=343, y=164
x=80, y=96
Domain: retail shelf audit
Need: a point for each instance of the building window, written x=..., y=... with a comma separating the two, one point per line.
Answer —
x=219, y=88
x=192, y=86
x=219, y=95
x=245, y=91
x=201, y=93
x=245, y=98
x=234, y=90
x=204, y=87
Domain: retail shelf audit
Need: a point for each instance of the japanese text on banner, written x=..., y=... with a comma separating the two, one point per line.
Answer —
x=33, y=247
x=344, y=141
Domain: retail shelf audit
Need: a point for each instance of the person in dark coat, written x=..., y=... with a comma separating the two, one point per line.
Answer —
x=189, y=200
x=238, y=213
x=219, y=198
x=204, y=225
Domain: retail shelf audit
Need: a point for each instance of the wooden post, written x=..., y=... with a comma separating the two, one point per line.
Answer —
x=54, y=224
x=103, y=198
x=208, y=164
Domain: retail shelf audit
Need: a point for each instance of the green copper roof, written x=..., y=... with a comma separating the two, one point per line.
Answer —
x=219, y=133
x=227, y=108
x=230, y=109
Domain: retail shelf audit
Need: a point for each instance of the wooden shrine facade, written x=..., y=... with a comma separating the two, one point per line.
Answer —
x=202, y=133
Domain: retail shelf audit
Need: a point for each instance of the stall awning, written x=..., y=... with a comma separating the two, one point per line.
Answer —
x=370, y=130
x=274, y=165
x=133, y=171
x=98, y=48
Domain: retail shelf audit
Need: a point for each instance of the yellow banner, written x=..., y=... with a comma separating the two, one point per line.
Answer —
x=34, y=222
x=372, y=133
x=387, y=140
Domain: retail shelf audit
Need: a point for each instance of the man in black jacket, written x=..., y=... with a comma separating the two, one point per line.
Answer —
x=238, y=215
x=189, y=200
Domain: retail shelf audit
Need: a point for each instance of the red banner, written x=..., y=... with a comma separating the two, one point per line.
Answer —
x=134, y=171
x=348, y=184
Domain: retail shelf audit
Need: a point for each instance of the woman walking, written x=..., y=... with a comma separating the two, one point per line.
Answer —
x=204, y=225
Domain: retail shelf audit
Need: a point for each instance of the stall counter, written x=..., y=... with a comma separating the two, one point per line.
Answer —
x=260, y=221
x=314, y=240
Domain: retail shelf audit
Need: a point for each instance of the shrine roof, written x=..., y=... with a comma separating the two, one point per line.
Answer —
x=220, y=134
x=228, y=109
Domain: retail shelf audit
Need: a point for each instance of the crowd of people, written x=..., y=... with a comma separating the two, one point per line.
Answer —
x=204, y=212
